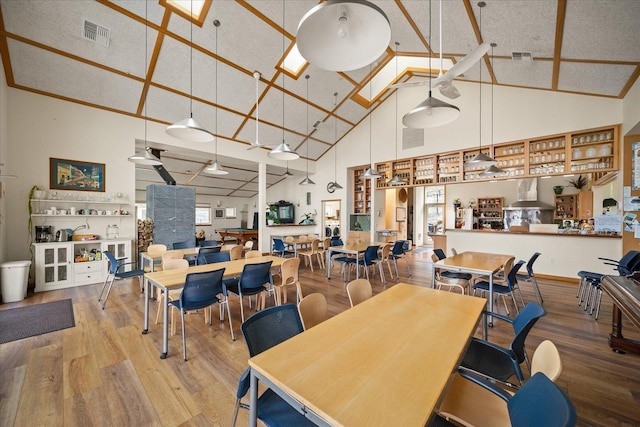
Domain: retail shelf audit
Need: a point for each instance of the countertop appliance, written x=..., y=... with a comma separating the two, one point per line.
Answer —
x=44, y=233
x=63, y=235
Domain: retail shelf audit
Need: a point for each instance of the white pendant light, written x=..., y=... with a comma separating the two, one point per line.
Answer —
x=257, y=142
x=481, y=160
x=188, y=129
x=492, y=170
x=216, y=168
x=146, y=157
x=283, y=151
x=431, y=112
x=287, y=174
x=396, y=179
x=334, y=184
x=370, y=173
x=343, y=35
x=307, y=180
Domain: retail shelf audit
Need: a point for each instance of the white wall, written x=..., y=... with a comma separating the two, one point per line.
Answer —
x=4, y=147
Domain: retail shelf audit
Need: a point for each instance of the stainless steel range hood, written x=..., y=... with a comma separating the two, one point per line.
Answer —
x=528, y=196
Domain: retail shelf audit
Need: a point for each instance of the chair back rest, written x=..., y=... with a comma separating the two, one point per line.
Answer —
x=278, y=245
x=326, y=242
x=629, y=262
x=337, y=242
x=440, y=254
x=315, y=244
x=398, y=247
x=371, y=253
x=302, y=239
x=541, y=400
x=252, y=254
x=213, y=257
x=290, y=271
x=201, y=289
x=236, y=252
x=522, y=324
x=288, y=239
x=174, y=264
x=113, y=262
x=156, y=250
x=359, y=290
x=172, y=254
x=546, y=359
x=270, y=327
x=204, y=251
x=511, y=270
x=533, y=259
x=248, y=245
x=185, y=245
x=313, y=310
x=386, y=249
x=311, y=237
x=203, y=243
x=255, y=275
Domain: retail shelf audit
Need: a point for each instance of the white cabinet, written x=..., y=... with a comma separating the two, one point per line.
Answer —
x=65, y=264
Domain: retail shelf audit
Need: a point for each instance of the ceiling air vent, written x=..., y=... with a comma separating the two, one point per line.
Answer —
x=96, y=33
x=521, y=56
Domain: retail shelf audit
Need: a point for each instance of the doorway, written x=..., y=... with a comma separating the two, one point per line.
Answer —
x=331, y=218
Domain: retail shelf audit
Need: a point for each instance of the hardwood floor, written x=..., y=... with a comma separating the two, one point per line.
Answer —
x=105, y=372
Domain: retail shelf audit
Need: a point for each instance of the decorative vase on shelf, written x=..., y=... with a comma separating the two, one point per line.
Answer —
x=558, y=189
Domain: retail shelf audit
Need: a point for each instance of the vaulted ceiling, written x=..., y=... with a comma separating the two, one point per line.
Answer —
x=579, y=46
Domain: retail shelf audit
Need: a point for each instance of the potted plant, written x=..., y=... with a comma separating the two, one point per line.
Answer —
x=306, y=219
x=456, y=204
x=580, y=182
x=272, y=215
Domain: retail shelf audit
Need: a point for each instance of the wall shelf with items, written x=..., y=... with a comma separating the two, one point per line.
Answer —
x=472, y=172
x=547, y=156
x=423, y=171
x=490, y=213
x=361, y=191
x=78, y=208
x=511, y=158
x=565, y=206
x=449, y=167
x=384, y=169
x=594, y=151
x=403, y=169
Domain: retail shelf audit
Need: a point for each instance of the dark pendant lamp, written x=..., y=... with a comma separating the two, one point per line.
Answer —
x=216, y=168
x=283, y=151
x=431, y=112
x=145, y=158
x=492, y=170
x=335, y=184
x=307, y=180
x=188, y=129
x=397, y=179
x=343, y=35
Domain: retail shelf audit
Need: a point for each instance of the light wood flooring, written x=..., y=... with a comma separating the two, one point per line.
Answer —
x=105, y=372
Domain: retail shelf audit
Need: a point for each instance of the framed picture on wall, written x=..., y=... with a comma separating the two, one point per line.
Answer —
x=401, y=214
x=230, y=213
x=218, y=213
x=76, y=175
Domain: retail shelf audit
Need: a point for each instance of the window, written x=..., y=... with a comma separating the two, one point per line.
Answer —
x=141, y=211
x=203, y=215
x=434, y=208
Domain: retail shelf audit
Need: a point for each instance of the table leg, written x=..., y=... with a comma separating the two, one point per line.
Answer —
x=253, y=400
x=490, y=299
x=146, y=306
x=328, y=264
x=433, y=276
x=165, y=325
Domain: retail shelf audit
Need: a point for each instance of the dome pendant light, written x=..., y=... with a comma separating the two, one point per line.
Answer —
x=370, y=173
x=492, y=170
x=146, y=158
x=343, y=35
x=481, y=160
x=334, y=184
x=397, y=179
x=216, y=168
x=307, y=180
x=188, y=129
x=283, y=151
x=431, y=112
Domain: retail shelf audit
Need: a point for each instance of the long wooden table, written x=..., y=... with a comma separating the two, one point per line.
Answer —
x=174, y=279
x=625, y=293
x=355, y=249
x=475, y=263
x=385, y=361
x=144, y=256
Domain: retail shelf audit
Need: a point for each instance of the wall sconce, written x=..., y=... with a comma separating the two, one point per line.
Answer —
x=219, y=203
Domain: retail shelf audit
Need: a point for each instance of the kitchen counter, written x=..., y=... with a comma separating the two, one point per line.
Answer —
x=529, y=233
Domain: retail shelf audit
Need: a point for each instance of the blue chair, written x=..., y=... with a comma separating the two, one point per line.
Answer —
x=450, y=274
x=201, y=290
x=398, y=252
x=500, y=363
x=262, y=331
x=279, y=248
x=369, y=258
x=531, y=277
x=117, y=271
x=187, y=244
x=252, y=281
x=510, y=285
x=203, y=243
x=204, y=251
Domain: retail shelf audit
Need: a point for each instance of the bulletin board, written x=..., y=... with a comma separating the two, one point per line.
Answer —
x=631, y=180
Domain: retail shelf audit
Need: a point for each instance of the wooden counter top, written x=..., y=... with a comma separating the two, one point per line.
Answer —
x=614, y=236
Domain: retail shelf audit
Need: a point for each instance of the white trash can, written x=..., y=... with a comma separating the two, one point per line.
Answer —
x=14, y=278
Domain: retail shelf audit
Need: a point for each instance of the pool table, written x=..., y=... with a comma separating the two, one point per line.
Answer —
x=242, y=234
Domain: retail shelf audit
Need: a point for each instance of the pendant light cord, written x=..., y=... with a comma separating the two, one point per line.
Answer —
x=396, y=117
x=370, y=137
x=307, y=78
x=431, y=50
x=216, y=24
x=190, y=61
x=282, y=70
x=481, y=4
x=335, y=138
x=146, y=52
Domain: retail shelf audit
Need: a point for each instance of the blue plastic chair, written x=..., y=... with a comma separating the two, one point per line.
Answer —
x=262, y=331
x=397, y=252
x=252, y=281
x=116, y=271
x=206, y=243
x=187, y=244
x=201, y=290
x=509, y=287
x=279, y=248
x=500, y=363
x=531, y=277
x=450, y=274
x=204, y=251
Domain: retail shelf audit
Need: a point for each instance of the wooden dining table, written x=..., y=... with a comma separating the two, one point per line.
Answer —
x=481, y=263
x=349, y=248
x=168, y=280
x=386, y=361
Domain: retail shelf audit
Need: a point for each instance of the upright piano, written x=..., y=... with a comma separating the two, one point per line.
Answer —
x=625, y=292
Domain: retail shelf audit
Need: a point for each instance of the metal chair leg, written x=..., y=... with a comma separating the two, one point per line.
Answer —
x=536, y=288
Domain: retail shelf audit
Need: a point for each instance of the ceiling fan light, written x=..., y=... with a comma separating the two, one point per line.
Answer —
x=481, y=160
x=343, y=35
x=216, y=169
x=432, y=112
x=371, y=173
x=307, y=181
x=493, y=170
x=283, y=152
x=189, y=130
x=145, y=158
x=396, y=180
